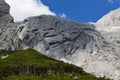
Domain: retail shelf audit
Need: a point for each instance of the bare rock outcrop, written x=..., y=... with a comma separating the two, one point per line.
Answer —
x=8, y=38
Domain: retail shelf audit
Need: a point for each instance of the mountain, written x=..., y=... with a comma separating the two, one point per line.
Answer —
x=93, y=46
x=111, y=19
x=32, y=65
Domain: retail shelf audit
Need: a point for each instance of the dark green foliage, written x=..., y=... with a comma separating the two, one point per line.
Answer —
x=32, y=65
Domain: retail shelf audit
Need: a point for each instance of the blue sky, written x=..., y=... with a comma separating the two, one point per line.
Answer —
x=82, y=10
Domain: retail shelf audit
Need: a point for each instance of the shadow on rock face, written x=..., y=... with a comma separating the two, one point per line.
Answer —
x=55, y=36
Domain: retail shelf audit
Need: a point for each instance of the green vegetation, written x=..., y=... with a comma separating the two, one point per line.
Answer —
x=32, y=65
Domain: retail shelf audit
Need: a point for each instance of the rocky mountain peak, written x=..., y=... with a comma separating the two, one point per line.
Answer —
x=110, y=19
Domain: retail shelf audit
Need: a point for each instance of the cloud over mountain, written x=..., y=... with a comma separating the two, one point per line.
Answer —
x=21, y=9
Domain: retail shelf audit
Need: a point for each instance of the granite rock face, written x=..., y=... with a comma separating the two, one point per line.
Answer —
x=95, y=47
x=8, y=38
x=54, y=36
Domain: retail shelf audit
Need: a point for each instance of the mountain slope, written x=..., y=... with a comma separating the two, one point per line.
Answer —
x=32, y=65
x=111, y=19
x=81, y=44
x=94, y=47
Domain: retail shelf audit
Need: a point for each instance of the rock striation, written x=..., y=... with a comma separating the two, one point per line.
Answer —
x=86, y=45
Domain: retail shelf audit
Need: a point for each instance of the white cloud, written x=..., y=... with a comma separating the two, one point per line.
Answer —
x=21, y=9
x=63, y=15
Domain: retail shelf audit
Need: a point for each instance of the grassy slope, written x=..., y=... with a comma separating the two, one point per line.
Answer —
x=31, y=65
